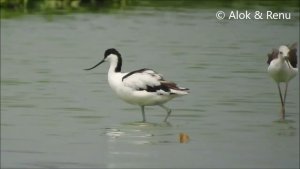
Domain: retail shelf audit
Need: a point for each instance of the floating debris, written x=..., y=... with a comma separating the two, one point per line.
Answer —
x=184, y=138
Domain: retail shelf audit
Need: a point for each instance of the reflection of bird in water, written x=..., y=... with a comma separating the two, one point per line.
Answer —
x=142, y=87
x=282, y=68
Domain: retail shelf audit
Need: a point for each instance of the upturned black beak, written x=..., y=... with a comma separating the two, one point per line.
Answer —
x=95, y=65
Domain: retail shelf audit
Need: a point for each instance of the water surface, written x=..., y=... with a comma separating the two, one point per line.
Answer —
x=56, y=115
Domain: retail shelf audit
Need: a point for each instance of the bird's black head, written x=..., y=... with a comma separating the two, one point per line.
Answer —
x=108, y=52
x=111, y=51
x=114, y=52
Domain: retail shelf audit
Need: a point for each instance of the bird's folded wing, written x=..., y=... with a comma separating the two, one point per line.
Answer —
x=145, y=79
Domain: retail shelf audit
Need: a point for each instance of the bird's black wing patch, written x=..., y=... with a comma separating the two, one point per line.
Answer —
x=133, y=72
x=156, y=88
x=293, y=55
x=272, y=55
x=165, y=86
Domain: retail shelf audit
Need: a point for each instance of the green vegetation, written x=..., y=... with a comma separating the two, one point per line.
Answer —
x=27, y=5
x=11, y=8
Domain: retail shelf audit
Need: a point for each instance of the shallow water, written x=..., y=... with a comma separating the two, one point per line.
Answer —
x=55, y=115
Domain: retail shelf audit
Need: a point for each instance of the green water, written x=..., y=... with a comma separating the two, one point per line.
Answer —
x=56, y=115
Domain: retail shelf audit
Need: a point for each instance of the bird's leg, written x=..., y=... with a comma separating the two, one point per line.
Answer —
x=285, y=92
x=284, y=99
x=143, y=113
x=283, y=112
x=282, y=103
x=168, y=111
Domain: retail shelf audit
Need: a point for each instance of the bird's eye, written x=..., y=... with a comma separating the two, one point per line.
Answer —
x=280, y=53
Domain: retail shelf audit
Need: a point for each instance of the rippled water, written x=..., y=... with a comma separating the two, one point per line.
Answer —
x=56, y=115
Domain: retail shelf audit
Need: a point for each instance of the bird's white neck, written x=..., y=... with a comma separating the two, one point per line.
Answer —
x=114, y=73
x=112, y=67
x=115, y=63
x=281, y=58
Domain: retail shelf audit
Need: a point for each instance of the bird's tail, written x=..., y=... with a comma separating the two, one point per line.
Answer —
x=180, y=91
x=175, y=89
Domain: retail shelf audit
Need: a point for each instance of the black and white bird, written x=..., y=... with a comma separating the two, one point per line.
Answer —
x=143, y=87
x=282, y=68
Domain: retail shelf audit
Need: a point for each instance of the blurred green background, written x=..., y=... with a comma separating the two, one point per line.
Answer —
x=13, y=8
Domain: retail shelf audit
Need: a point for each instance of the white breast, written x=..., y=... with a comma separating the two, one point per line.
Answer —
x=280, y=71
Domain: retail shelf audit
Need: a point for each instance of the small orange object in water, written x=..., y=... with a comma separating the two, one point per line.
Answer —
x=184, y=138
